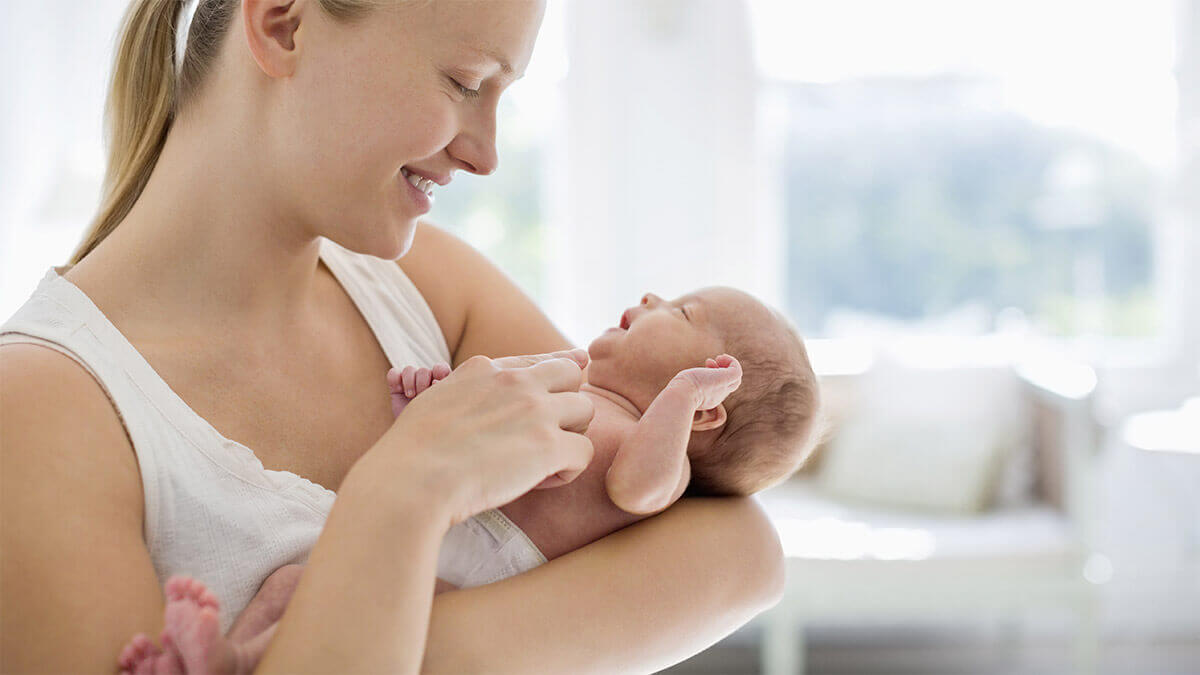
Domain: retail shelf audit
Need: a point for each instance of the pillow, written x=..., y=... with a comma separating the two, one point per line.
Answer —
x=943, y=439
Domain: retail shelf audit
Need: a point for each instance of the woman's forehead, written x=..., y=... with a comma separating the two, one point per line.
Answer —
x=499, y=30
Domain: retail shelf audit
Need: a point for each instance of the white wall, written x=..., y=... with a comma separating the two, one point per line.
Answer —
x=660, y=177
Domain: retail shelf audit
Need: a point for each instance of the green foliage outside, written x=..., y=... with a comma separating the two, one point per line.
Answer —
x=908, y=209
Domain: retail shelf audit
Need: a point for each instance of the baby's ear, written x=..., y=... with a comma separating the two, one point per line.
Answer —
x=713, y=418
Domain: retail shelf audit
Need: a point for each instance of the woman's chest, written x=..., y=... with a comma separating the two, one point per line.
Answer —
x=310, y=407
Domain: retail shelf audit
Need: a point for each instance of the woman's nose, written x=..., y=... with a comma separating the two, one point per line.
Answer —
x=475, y=145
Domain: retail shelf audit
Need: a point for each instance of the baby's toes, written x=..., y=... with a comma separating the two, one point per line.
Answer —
x=177, y=587
x=138, y=649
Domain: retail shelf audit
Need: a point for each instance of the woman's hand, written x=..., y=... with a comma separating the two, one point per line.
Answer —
x=491, y=431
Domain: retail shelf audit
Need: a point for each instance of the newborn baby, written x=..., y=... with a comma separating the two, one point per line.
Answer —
x=709, y=394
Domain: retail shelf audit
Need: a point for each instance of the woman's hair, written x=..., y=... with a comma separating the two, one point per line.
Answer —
x=145, y=95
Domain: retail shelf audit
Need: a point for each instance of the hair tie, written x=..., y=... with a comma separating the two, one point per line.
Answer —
x=183, y=25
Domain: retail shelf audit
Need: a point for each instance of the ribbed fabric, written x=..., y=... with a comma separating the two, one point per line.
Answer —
x=211, y=509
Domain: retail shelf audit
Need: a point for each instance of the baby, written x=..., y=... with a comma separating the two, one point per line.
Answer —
x=709, y=394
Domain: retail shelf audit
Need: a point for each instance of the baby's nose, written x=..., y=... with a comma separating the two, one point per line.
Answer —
x=650, y=299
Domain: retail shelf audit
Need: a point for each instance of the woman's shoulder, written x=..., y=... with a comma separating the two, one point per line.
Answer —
x=443, y=267
x=479, y=308
x=55, y=411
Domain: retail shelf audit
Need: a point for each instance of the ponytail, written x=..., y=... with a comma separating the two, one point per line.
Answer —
x=145, y=94
x=143, y=97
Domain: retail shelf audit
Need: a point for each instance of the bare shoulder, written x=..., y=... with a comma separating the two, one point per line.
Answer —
x=437, y=263
x=70, y=519
x=478, y=307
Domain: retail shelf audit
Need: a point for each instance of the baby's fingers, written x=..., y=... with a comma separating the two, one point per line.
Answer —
x=441, y=371
x=422, y=380
x=408, y=380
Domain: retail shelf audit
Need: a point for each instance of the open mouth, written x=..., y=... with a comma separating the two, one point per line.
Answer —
x=625, y=320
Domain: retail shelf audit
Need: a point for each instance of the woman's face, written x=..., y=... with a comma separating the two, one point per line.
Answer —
x=374, y=99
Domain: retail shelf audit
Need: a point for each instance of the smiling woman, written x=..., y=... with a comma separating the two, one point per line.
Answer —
x=186, y=396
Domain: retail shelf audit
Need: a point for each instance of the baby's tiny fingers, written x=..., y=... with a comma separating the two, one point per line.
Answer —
x=422, y=380
x=408, y=377
x=441, y=371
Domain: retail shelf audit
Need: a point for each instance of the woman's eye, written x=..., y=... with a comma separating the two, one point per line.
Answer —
x=469, y=93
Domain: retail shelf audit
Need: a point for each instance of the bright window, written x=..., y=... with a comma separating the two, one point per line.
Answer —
x=968, y=166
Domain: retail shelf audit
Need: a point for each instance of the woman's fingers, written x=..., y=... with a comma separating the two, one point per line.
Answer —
x=579, y=356
x=575, y=455
x=575, y=411
x=558, y=375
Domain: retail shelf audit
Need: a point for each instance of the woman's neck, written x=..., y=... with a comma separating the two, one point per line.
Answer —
x=205, y=244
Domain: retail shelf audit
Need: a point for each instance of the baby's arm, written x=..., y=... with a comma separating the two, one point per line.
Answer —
x=650, y=470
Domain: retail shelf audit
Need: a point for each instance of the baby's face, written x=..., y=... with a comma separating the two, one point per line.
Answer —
x=658, y=338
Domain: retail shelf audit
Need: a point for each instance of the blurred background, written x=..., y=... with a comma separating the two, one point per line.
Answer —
x=983, y=216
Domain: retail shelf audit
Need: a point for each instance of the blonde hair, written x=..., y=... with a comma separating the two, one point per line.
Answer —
x=144, y=94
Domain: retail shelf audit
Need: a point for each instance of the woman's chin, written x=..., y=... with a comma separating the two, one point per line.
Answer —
x=398, y=240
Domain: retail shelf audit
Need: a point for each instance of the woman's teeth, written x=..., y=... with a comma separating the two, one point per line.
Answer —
x=423, y=184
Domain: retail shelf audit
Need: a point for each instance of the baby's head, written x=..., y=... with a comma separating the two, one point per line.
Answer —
x=763, y=431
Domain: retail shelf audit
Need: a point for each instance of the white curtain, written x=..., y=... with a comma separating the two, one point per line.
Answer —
x=1181, y=254
x=659, y=184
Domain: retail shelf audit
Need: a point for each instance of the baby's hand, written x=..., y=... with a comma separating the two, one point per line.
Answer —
x=719, y=378
x=408, y=383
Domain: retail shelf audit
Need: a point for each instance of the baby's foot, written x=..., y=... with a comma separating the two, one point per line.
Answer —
x=193, y=632
x=138, y=657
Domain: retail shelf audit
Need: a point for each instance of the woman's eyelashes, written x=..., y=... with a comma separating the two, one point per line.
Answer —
x=465, y=91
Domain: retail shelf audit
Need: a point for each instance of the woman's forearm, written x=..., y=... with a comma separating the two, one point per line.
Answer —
x=638, y=600
x=363, y=602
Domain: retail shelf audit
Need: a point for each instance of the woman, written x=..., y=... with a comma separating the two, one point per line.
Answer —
x=234, y=301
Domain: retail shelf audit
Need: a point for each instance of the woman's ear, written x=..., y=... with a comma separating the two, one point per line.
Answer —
x=704, y=420
x=271, y=30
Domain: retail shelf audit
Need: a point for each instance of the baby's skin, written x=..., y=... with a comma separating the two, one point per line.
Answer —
x=658, y=393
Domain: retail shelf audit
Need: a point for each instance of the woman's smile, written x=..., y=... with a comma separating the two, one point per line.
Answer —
x=423, y=199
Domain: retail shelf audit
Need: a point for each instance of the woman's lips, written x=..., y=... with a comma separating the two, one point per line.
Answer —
x=422, y=199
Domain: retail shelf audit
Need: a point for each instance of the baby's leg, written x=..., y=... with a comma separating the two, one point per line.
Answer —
x=268, y=604
x=192, y=640
x=192, y=635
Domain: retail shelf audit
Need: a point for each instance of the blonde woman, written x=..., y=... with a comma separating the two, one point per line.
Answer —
x=190, y=393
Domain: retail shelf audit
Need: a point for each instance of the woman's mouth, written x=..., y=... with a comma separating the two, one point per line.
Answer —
x=421, y=183
x=422, y=196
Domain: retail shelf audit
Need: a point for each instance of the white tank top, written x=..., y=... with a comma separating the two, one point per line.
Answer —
x=211, y=509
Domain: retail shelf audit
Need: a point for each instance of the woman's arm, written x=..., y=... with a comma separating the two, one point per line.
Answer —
x=638, y=600
x=77, y=577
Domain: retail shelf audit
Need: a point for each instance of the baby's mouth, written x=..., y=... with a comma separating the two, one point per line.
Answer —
x=625, y=320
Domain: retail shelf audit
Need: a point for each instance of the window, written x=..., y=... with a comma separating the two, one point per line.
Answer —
x=968, y=167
